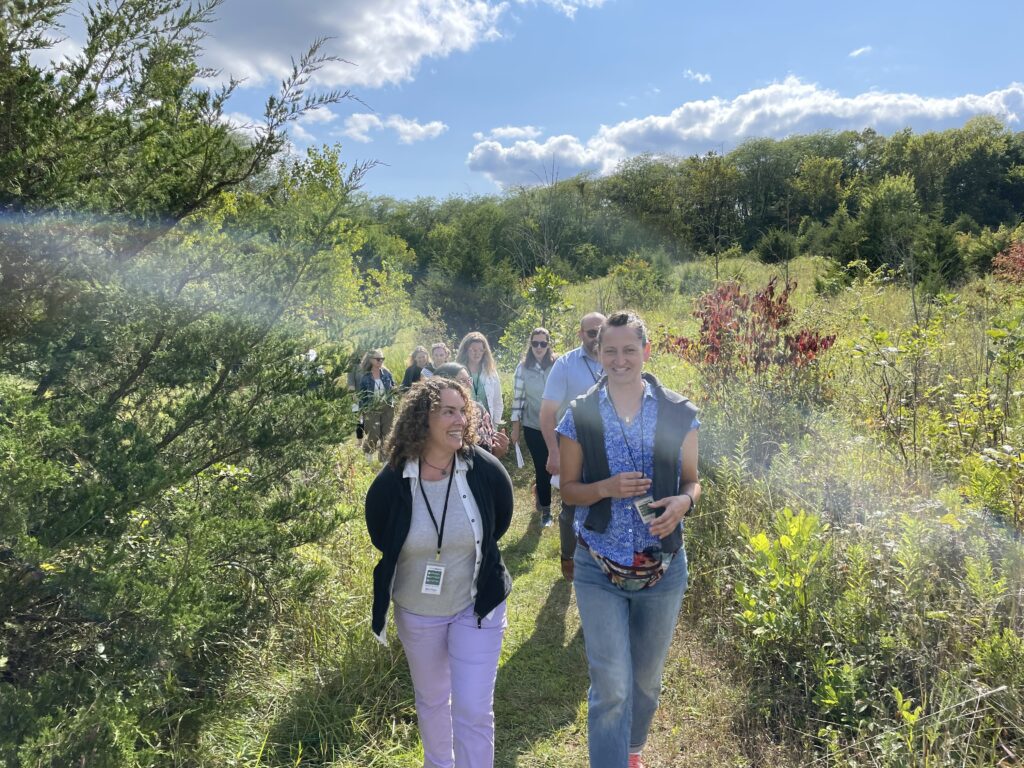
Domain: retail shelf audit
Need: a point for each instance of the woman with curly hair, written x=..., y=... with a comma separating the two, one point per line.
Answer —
x=475, y=354
x=436, y=512
x=488, y=438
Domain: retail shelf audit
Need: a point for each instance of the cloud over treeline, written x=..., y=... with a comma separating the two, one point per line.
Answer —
x=780, y=109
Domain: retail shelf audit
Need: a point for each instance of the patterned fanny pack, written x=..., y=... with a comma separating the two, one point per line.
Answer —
x=646, y=570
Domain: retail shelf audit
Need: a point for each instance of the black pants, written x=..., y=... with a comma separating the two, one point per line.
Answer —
x=539, y=452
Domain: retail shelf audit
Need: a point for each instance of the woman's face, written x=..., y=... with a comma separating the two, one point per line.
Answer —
x=376, y=362
x=475, y=352
x=539, y=345
x=420, y=359
x=623, y=354
x=448, y=422
x=439, y=355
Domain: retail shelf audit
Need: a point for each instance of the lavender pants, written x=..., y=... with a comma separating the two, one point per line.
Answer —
x=454, y=664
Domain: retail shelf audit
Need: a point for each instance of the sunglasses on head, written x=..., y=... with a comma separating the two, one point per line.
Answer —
x=538, y=344
x=592, y=333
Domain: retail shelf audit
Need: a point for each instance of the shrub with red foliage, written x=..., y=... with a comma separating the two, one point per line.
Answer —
x=740, y=331
x=758, y=374
x=1009, y=265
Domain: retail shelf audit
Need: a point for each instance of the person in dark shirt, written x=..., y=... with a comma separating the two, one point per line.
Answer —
x=418, y=367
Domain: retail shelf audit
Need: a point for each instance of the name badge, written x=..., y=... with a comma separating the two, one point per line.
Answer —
x=433, y=577
x=643, y=508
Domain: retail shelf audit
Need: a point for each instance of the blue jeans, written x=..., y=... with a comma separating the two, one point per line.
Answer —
x=627, y=635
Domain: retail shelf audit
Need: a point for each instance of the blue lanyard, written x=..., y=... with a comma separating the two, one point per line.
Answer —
x=622, y=429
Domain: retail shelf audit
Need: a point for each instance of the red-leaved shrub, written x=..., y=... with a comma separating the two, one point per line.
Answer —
x=1009, y=264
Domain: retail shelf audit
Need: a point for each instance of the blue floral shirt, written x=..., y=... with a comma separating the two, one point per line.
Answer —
x=630, y=448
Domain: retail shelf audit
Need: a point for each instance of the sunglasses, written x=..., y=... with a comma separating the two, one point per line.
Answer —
x=592, y=333
x=381, y=359
x=539, y=344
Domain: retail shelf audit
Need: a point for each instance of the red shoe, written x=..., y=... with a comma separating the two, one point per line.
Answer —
x=635, y=761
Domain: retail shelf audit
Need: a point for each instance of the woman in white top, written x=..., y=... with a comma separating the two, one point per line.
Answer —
x=475, y=354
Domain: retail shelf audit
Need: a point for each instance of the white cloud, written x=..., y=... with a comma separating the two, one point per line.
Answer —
x=300, y=129
x=530, y=162
x=777, y=110
x=568, y=7
x=509, y=132
x=700, y=77
x=359, y=125
x=408, y=130
x=386, y=40
x=318, y=116
x=298, y=133
x=859, y=51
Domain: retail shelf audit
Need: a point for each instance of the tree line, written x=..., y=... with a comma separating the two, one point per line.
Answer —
x=937, y=206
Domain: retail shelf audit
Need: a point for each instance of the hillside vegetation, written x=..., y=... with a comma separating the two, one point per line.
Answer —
x=184, y=572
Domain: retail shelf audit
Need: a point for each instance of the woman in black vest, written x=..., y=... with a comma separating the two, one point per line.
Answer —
x=629, y=464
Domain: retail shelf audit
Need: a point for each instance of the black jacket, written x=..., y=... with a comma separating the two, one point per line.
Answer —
x=412, y=375
x=389, y=514
x=675, y=420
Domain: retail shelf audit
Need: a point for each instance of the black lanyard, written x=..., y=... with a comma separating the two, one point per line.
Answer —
x=622, y=429
x=444, y=515
x=595, y=377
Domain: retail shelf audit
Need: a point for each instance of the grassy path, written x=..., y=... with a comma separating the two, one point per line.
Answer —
x=331, y=696
x=540, y=702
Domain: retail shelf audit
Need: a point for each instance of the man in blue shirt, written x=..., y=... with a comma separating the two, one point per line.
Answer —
x=572, y=374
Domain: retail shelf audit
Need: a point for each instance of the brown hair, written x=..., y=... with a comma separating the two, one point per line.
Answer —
x=408, y=436
x=418, y=350
x=549, y=355
x=624, y=318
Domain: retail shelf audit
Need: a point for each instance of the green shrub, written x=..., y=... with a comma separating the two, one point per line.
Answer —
x=777, y=246
x=641, y=282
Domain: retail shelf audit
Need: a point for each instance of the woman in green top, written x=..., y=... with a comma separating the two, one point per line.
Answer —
x=475, y=354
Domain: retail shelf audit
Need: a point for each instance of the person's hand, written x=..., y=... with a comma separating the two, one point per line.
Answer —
x=499, y=444
x=553, y=463
x=515, y=433
x=676, y=508
x=568, y=568
x=625, y=485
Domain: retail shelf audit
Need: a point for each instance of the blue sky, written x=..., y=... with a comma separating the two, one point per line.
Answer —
x=471, y=96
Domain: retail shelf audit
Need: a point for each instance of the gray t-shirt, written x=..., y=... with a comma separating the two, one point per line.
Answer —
x=458, y=553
